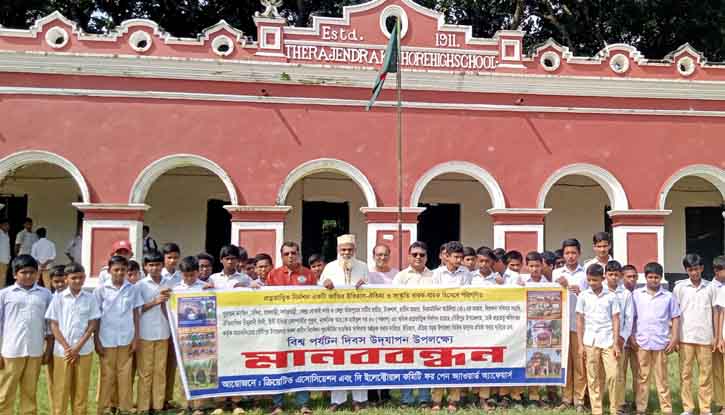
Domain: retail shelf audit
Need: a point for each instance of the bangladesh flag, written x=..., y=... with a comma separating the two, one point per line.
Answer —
x=390, y=63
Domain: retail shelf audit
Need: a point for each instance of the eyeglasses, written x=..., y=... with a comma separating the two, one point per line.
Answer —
x=418, y=255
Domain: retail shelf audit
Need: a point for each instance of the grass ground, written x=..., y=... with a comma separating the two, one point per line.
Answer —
x=320, y=405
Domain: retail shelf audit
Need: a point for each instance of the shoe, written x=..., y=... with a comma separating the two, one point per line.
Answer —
x=436, y=407
x=197, y=412
x=484, y=405
x=564, y=406
x=238, y=411
x=358, y=406
x=334, y=407
x=305, y=411
x=276, y=410
x=218, y=411
x=687, y=413
x=580, y=409
x=452, y=408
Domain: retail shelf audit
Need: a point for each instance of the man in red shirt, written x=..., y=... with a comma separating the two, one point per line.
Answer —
x=291, y=272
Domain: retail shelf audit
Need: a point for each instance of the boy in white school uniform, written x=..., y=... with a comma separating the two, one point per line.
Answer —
x=597, y=313
x=718, y=358
x=229, y=277
x=117, y=336
x=154, y=334
x=73, y=315
x=25, y=341
x=601, y=245
x=616, y=286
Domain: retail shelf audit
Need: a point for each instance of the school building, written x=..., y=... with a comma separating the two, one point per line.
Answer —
x=256, y=138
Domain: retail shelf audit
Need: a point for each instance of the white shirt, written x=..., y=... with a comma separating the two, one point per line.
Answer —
x=598, y=311
x=411, y=277
x=576, y=277
x=626, y=311
x=596, y=261
x=117, y=305
x=720, y=301
x=26, y=240
x=74, y=248
x=458, y=278
x=479, y=280
x=222, y=281
x=197, y=285
x=22, y=319
x=334, y=272
x=73, y=315
x=43, y=251
x=527, y=281
x=696, y=305
x=153, y=325
x=379, y=277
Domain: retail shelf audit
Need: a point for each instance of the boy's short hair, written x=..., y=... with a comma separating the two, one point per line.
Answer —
x=442, y=248
x=485, y=251
x=718, y=263
x=468, y=251
x=74, y=268
x=601, y=237
x=133, y=266
x=24, y=261
x=417, y=244
x=57, y=271
x=613, y=266
x=534, y=256
x=691, y=261
x=595, y=270
x=512, y=255
x=146, y=228
x=250, y=261
x=499, y=253
x=243, y=254
x=629, y=267
x=204, y=255
x=41, y=232
x=549, y=258
x=152, y=256
x=318, y=258
x=571, y=242
x=653, y=268
x=229, y=251
x=188, y=264
x=170, y=247
x=454, y=247
x=118, y=260
x=28, y=220
x=262, y=257
x=559, y=253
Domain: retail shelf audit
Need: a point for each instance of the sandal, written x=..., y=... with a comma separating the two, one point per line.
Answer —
x=452, y=408
x=305, y=411
x=436, y=407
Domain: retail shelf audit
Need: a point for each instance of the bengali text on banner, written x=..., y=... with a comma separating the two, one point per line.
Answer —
x=275, y=340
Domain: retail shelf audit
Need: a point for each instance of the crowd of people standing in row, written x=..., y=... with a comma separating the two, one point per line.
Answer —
x=614, y=324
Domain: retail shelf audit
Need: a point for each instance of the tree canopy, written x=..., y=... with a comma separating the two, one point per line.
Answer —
x=655, y=27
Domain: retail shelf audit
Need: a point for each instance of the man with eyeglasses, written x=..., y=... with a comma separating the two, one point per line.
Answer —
x=291, y=273
x=382, y=272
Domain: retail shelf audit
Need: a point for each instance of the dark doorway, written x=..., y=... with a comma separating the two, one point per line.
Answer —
x=704, y=234
x=439, y=223
x=322, y=223
x=218, y=229
x=15, y=210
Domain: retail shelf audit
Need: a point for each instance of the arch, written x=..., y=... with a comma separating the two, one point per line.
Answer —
x=327, y=165
x=610, y=184
x=712, y=174
x=153, y=171
x=27, y=157
x=462, y=167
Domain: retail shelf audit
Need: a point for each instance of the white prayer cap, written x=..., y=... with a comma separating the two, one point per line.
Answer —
x=346, y=239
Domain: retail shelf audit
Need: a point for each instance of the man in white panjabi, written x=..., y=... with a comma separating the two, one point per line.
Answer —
x=345, y=271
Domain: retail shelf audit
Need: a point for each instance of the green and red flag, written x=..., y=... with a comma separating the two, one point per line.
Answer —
x=390, y=63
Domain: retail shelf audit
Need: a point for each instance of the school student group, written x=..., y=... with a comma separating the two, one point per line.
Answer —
x=617, y=324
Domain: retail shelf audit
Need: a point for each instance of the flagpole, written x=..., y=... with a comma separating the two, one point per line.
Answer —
x=399, y=82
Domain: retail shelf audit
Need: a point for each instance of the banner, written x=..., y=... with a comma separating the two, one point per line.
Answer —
x=275, y=340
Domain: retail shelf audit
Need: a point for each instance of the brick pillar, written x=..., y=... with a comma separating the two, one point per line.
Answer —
x=383, y=228
x=638, y=236
x=104, y=224
x=259, y=228
x=518, y=228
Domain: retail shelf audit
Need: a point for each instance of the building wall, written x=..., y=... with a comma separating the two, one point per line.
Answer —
x=51, y=191
x=325, y=187
x=577, y=211
x=178, y=212
x=687, y=192
x=476, y=225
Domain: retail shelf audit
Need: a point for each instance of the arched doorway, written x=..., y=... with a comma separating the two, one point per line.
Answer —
x=695, y=195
